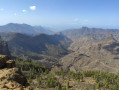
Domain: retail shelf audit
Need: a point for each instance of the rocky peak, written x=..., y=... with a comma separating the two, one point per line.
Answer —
x=85, y=28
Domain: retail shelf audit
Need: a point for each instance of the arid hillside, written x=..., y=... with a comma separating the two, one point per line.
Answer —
x=92, y=54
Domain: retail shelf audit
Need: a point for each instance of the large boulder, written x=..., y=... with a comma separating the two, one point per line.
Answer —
x=11, y=78
x=14, y=74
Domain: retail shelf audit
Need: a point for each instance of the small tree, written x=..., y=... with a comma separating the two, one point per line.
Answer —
x=98, y=86
x=21, y=68
x=59, y=86
x=67, y=86
x=64, y=88
x=29, y=79
x=39, y=82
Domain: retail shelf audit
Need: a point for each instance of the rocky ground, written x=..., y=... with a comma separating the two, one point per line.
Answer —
x=11, y=77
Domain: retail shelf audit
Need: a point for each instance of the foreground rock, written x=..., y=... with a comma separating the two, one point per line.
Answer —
x=11, y=77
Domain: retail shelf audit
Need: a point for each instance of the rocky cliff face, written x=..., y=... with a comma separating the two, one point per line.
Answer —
x=4, y=47
x=11, y=77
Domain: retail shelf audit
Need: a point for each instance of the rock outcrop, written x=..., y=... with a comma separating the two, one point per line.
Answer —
x=3, y=60
x=11, y=77
x=4, y=47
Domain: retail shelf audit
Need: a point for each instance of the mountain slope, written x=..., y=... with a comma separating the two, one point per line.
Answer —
x=38, y=45
x=93, y=55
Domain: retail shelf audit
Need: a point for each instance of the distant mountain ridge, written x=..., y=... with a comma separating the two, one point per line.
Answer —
x=24, y=29
x=97, y=33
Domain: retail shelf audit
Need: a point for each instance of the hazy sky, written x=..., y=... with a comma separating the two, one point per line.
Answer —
x=61, y=13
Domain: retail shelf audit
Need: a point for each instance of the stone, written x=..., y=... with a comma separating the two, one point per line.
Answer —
x=10, y=64
x=12, y=85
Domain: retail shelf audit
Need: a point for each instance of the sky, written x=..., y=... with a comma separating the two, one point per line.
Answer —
x=61, y=14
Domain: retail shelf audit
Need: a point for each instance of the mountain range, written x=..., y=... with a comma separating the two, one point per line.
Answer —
x=24, y=28
x=38, y=46
x=97, y=33
x=76, y=49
